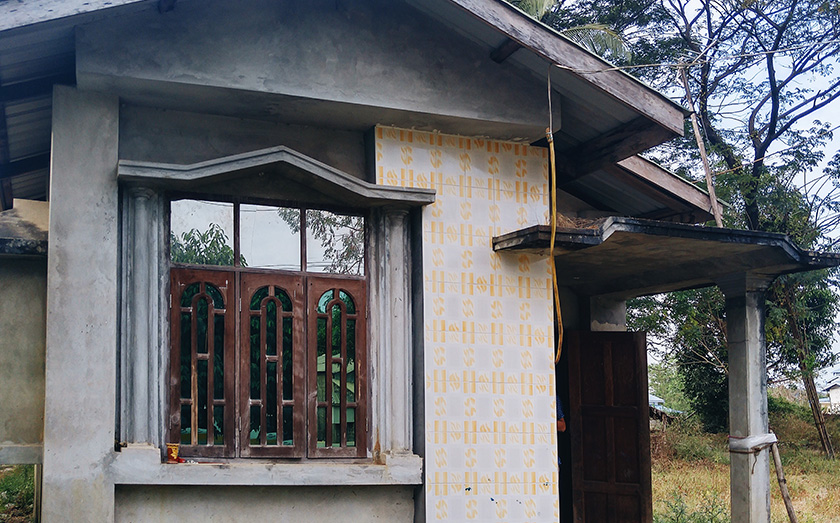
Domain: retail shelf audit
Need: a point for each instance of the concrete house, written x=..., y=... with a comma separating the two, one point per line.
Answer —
x=309, y=243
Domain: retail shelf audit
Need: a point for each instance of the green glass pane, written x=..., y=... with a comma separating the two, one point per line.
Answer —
x=285, y=302
x=257, y=298
x=336, y=427
x=320, y=359
x=254, y=425
x=256, y=357
x=186, y=421
x=336, y=383
x=348, y=302
x=288, y=425
x=336, y=331
x=219, y=358
x=321, y=431
x=351, y=427
x=271, y=402
x=287, y=358
x=201, y=312
x=219, y=425
x=191, y=290
x=271, y=328
x=216, y=294
x=186, y=355
x=202, y=402
x=351, y=360
x=323, y=301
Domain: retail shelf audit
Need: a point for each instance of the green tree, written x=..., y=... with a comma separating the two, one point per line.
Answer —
x=597, y=38
x=210, y=247
x=750, y=66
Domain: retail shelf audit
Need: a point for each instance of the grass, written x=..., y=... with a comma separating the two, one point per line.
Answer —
x=17, y=493
x=691, y=471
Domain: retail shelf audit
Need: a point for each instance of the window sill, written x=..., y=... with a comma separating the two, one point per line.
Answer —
x=141, y=465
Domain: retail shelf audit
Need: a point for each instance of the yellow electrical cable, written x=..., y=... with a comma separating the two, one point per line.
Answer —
x=550, y=137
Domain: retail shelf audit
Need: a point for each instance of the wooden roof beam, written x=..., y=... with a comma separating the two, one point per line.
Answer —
x=610, y=148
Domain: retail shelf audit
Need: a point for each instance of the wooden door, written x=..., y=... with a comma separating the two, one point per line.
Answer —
x=610, y=432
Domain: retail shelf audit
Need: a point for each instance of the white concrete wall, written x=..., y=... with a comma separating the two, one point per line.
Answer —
x=294, y=504
x=490, y=437
x=379, y=58
x=23, y=296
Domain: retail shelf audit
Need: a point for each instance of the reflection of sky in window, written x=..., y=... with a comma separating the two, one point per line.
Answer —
x=266, y=240
x=187, y=215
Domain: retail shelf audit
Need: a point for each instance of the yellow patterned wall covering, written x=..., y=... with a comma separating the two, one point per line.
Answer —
x=489, y=376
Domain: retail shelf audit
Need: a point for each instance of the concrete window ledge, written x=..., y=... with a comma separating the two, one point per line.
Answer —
x=141, y=465
x=14, y=454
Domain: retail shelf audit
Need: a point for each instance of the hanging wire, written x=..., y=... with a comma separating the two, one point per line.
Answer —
x=549, y=135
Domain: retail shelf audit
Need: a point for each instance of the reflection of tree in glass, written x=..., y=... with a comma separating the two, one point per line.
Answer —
x=341, y=236
x=210, y=247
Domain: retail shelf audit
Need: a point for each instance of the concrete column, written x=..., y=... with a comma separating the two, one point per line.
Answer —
x=398, y=329
x=81, y=351
x=749, y=474
x=141, y=370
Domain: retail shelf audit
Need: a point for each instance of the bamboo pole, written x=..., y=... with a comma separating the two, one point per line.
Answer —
x=700, y=145
x=780, y=475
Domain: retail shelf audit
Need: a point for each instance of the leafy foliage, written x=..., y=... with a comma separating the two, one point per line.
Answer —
x=342, y=237
x=210, y=247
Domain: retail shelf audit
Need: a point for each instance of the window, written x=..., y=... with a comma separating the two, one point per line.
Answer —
x=268, y=331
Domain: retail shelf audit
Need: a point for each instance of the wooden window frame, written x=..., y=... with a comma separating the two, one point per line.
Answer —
x=241, y=282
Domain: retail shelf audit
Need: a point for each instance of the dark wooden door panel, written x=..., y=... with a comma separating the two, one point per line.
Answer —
x=608, y=420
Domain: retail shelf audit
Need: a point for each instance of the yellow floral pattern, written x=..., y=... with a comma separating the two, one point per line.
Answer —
x=489, y=332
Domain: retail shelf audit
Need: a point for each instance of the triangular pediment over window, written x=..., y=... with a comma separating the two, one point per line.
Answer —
x=277, y=173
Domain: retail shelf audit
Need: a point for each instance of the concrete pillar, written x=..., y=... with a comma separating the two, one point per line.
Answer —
x=398, y=330
x=749, y=474
x=141, y=367
x=81, y=351
x=390, y=360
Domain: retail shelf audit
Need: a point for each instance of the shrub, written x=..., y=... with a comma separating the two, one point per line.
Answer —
x=712, y=510
x=17, y=493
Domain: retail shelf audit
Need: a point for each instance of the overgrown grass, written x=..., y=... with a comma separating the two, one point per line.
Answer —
x=691, y=471
x=17, y=493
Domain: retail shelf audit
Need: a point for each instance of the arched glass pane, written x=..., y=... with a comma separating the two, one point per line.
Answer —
x=271, y=328
x=321, y=432
x=323, y=301
x=351, y=427
x=219, y=358
x=348, y=302
x=336, y=331
x=186, y=355
x=202, y=401
x=287, y=358
x=201, y=317
x=255, y=358
x=216, y=294
x=321, y=360
x=188, y=294
x=351, y=360
x=285, y=302
x=271, y=402
x=257, y=298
